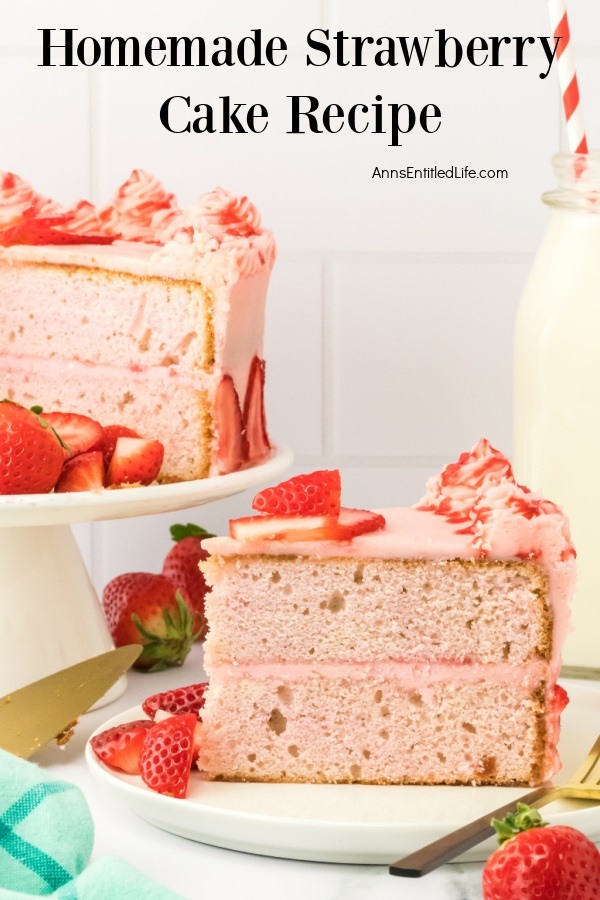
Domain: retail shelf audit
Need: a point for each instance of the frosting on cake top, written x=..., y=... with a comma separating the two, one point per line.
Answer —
x=479, y=493
x=147, y=230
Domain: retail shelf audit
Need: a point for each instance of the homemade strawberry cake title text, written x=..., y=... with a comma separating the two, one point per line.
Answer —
x=182, y=114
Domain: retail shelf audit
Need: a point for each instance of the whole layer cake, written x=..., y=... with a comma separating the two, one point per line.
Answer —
x=425, y=651
x=142, y=314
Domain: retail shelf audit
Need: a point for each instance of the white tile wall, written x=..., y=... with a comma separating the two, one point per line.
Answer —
x=392, y=305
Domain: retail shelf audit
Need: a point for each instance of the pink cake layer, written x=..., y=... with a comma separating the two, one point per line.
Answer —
x=273, y=608
x=157, y=403
x=412, y=533
x=145, y=352
x=371, y=726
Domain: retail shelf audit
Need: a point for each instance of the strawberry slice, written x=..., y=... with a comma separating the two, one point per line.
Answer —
x=349, y=524
x=79, y=433
x=257, y=444
x=135, y=461
x=228, y=416
x=46, y=230
x=121, y=746
x=188, y=699
x=84, y=472
x=167, y=752
x=317, y=494
x=111, y=434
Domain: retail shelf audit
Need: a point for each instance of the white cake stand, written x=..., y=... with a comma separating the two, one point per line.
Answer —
x=50, y=616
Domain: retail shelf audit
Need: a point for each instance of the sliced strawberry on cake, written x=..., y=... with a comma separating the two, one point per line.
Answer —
x=305, y=508
x=228, y=417
x=349, y=524
x=304, y=495
x=257, y=444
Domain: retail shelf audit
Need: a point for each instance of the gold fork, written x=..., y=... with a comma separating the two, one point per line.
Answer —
x=583, y=785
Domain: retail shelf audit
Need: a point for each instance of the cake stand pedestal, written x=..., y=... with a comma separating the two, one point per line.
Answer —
x=50, y=616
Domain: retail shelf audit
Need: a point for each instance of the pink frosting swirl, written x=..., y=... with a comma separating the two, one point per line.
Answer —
x=479, y=492
x=17, y=199
x=454, y=491
x=221, y=221
x=142, y=210
x=84, y=219
x=222, y=215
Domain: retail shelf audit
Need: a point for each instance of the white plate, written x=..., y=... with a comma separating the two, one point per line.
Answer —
x=347, y=823
x=91, y=506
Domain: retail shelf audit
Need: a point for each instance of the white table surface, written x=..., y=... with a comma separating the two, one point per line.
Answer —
x=198, y=871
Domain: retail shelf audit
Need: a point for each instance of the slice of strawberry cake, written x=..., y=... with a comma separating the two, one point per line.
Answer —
x=404, y=646
x=141, y=314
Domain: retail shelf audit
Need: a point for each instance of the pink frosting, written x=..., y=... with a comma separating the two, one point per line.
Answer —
x=220, y=235
x=222, y=221
x=84, y=219
x=142, y=210
x=17, y=198
x=479, y=492
x=410, y=675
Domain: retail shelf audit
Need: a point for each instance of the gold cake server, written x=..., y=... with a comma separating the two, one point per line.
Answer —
x=34, y=715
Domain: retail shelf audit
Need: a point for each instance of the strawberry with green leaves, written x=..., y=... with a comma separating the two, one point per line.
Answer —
x=538, y=861
x=181, y=566
x=141, y=607
x=31, y=453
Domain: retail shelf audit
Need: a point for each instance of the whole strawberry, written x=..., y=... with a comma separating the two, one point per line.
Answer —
x=31, y=455
x=181, y=566
x=536, y=861
x=144, y=608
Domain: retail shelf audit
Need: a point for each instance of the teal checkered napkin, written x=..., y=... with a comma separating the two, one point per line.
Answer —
x=46, y=839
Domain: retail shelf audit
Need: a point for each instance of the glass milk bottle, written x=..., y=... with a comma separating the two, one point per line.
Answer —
x=557, y=384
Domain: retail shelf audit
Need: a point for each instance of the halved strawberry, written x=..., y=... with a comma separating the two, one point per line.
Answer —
x=84, y=472
x=79, y=433
x=180, y=700
x=167, y=752
x=135, y=461
x=228, y=415
x=257, y=444
x=111, y=434
x=317, y=494
x=121, y=746
x=349, y=524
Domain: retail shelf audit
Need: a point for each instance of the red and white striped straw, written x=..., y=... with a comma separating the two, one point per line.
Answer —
x=567, y=77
